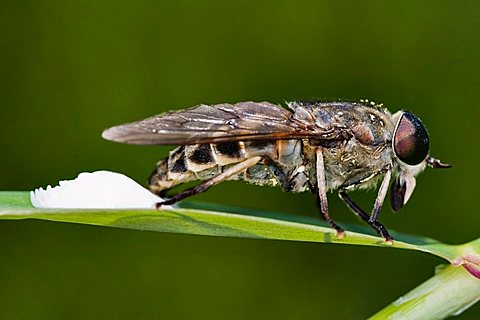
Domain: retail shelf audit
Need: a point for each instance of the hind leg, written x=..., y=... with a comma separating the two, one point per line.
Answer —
x=231, y=171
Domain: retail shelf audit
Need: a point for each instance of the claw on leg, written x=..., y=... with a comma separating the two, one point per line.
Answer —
x=389, y=241
x=340, y=234
x=159, y=205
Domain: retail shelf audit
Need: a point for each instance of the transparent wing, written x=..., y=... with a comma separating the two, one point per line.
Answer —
x=216, y=123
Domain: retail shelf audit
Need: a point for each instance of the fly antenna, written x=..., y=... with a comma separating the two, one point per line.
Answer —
x=437, y=164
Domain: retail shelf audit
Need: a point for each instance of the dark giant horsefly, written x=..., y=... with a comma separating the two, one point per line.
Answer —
x=311, y=146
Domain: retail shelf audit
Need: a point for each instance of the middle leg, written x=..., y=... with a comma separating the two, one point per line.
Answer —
x=371, y=220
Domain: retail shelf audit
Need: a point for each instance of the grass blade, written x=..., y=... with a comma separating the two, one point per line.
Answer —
x=213, y=220
x=424, y=302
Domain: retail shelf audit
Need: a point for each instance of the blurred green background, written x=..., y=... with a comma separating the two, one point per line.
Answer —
x=70, y=69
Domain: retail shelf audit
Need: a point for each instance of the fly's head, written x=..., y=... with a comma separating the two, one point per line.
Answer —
x=410, y=146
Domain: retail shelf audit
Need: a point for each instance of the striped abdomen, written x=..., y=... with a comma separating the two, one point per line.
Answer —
x=204, y=161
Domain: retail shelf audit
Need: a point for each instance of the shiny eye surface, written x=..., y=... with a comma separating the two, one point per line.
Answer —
x=410, y=141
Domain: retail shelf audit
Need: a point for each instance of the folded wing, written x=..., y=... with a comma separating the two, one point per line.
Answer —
x=216, y=123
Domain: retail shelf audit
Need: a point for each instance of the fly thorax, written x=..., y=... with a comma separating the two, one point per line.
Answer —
x=353, y=164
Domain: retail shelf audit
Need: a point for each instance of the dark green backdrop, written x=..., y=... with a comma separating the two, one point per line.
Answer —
x=70, y=69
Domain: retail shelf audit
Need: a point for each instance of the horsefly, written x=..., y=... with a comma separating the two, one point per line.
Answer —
x=311, y=146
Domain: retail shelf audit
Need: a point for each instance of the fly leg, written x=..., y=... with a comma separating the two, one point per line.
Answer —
x=237, y=168
x=322, y=194
x=372, y=219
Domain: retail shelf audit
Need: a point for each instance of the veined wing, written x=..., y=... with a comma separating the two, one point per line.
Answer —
x=216, y=123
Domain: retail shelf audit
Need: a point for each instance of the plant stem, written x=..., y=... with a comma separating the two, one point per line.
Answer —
x=451, y=291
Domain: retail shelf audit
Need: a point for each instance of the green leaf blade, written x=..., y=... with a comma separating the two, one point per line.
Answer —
x=422, y=302
x=222, y=221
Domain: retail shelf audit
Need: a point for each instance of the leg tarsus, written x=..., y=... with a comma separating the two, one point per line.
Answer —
x=382, y=230
x=326, y=216
x=185, y=194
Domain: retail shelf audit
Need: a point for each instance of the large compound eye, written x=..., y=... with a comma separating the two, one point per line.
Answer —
x=410, y=141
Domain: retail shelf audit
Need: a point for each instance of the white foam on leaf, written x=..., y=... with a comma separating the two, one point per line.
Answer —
x=96, y=190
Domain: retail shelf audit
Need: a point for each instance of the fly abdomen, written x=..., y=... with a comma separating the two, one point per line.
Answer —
x=195, y=162
x=170, y=171
x=204, y=161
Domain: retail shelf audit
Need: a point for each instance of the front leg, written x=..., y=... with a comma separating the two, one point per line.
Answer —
x=322, y=194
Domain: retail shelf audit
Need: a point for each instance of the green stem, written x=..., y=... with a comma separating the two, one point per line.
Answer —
x=451, y=291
